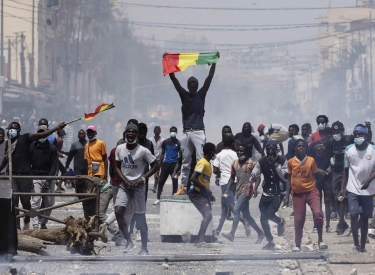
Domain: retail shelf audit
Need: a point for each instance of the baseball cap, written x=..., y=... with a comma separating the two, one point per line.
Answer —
x=91, y=127
x=41, y=128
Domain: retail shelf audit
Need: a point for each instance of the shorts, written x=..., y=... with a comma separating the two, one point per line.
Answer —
x=230, y=199
x=324, y=183
x=200, y=202
x=124, y=196
x=279, y=136
x=336, y=183
x=359, y=204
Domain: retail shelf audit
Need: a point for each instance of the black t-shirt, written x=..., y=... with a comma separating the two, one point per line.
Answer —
x=21, y=155
x=322, y=160
x=193, y=108
x=338, y=152
x=250, y=142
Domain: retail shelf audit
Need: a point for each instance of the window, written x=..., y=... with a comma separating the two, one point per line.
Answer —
x=51, y=3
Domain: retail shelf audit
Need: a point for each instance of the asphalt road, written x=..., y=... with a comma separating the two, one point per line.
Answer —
x=241, y=245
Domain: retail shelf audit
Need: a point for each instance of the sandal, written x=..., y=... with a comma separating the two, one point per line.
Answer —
x=260, y=238
x=203, y=245
x=322, y=246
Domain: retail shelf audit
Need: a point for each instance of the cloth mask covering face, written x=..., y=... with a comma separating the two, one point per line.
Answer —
x=173, y=134
x=41, y=140
x=359, y=140
x=12, y=133
x=68, y=185
x=242, y=158
x=321, y=126
x=337, y=137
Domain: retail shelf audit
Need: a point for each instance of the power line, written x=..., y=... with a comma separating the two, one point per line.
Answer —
x=231, y=8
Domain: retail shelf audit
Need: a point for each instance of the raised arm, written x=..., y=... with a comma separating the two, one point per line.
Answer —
x=177, y=85
x=36, y=136
x=208, y=80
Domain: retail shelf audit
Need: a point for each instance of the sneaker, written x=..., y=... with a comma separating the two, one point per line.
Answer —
x=129, y=247
x=143, y=252
x=340, y=230
x=181, y=191
x=269, y=246
x=329, y=229
x=356, y=249
x=43, y=226
x=35, y=227
x=26, y=226
x=334, y=216
x=362, y=250
x=247, y=230
x=157, y=202
x=120, y=241
x=228, y=236
x=315, y=230
x=138, y=236
x=281, y=228
x=216, y=232
x=347, y=232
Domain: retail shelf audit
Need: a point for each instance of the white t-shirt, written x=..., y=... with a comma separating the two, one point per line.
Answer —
x=224, y=161
x=133, y=162
x=277, y=127
x=361, y=165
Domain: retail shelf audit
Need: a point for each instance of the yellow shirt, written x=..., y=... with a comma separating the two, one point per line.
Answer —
x=204, y=169
x=94, y=151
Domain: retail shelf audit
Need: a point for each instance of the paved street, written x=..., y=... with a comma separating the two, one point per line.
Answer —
x=241, y=245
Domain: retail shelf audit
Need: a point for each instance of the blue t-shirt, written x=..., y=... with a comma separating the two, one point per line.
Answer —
x=170, y=148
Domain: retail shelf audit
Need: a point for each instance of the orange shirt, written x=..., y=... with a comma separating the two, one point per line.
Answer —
x=94, y=151
x=302, y=174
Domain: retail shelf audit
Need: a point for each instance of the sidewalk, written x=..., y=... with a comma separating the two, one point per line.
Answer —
x=342, y=261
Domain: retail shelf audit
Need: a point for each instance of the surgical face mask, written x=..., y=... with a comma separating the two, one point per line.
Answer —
x=12, y=133
x=337, y=137
x=41, y=140
x=359, y=140
x=321, y=126
x=173, y=134
x=92, y=139
x=68, y=185
x=242, y=157
x=134, y=141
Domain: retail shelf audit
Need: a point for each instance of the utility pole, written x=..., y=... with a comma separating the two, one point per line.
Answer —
x=32, y=79
x=2, y=38
x=22, y=58
x=16, y=43
x=77, y=51
x=372, y=82
x=9, y=62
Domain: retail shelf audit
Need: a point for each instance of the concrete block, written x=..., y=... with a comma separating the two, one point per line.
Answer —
x=178, y=216
x=354, y=258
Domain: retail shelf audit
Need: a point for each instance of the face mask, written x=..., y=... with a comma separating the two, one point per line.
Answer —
x=12, y=133
x=337, y=137
x=173, y=134
x=321, y=126
x=68, y=186
x=134, y=141
x=213, y=157
x=359, y=140
x=226, y=135
x=242, y=158
x=92, y=139
x=41, y=140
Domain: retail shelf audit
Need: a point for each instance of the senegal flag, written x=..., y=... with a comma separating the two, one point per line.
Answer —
x=178, y=62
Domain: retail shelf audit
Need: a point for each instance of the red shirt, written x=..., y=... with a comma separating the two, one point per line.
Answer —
x=315, y=137
x=115, y=181
x=59, y=143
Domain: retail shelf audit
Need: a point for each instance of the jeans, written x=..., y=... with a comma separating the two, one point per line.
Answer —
x=48, y=201
x=268, y=206
x=22, y=185
x=189, y=141
x=242, y=205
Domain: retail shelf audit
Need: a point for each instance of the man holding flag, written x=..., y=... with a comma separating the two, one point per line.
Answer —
x=192, y=106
